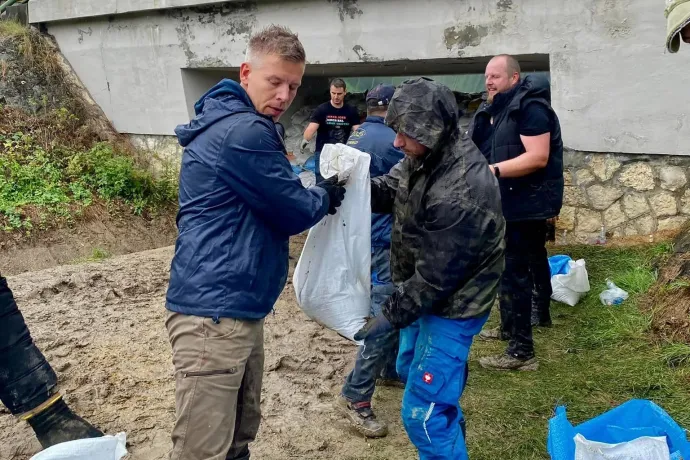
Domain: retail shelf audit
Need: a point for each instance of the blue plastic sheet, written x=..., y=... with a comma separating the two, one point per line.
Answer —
x=559, y=265
x=310, y=164
x=626, y=422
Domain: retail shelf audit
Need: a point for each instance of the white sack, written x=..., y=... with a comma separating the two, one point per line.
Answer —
x=104, y=448
x=643, y=448
x=569, y=288
x=332, y=278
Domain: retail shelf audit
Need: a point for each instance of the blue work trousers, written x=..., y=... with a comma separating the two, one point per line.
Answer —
x=432, y=362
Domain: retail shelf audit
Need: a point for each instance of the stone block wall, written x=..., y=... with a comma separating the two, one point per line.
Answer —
x=629, y=195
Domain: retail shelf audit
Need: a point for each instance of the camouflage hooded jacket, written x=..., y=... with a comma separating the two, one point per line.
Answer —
x=447, y=241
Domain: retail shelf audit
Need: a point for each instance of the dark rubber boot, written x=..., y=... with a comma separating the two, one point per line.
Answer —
x=58, y=423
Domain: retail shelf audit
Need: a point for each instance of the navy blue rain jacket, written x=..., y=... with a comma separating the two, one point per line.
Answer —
x=239, y=203
x=376, y=139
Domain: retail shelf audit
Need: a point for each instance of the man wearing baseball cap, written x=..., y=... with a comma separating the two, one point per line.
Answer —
x=677, y=23
x=376, y=358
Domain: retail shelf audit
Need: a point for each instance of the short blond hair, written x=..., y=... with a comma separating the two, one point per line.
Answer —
x=278, y=41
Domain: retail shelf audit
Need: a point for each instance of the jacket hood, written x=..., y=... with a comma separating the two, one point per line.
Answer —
x=536, y=86
x=425, y=111
x=224, y=99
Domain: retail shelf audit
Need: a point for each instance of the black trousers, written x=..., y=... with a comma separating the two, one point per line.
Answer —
x=526, y=279
x=26, y=378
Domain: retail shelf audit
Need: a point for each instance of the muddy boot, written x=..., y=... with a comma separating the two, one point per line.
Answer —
x=57, y=423
x=507, y=362
x=493, y=334
x=362, y=417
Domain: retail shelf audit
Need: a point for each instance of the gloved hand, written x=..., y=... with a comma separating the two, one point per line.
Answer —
x=336, y=192
x=303, y=145
x=375, y=326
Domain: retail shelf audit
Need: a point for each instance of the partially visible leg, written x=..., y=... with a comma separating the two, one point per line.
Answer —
x=406, y=352
x=360, y=384
x=516, y=290
x=540, y=276
x=28, y=384
x=249, y=403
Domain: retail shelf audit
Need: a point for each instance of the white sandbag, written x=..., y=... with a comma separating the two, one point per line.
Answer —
x=643, y=448
x=104, y=448
x=332, y=278
x=569, y=288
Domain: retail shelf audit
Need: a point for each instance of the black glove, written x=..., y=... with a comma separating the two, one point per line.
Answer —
x=58, y=423
x=336, y=192
x=377, y=326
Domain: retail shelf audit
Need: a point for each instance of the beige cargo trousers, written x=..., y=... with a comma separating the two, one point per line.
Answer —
x=218, y=374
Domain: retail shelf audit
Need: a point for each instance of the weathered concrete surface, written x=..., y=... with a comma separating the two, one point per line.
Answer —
x=613, y=87
x=61, y=10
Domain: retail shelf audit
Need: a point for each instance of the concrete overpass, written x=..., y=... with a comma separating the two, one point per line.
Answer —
x=613, y=86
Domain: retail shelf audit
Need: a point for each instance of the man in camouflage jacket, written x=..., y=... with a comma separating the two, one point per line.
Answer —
x=446, y=260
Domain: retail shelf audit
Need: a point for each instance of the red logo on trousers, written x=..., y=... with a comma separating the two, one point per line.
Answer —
x=428, y=378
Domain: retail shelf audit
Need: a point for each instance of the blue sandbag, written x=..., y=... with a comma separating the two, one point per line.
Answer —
x=629, y=421
x=559, y=265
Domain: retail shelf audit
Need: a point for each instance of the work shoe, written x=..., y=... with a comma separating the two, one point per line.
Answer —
x=386, y=382
x=493, y=334
x=362, y=417
x=57, y=423
x=506, y=362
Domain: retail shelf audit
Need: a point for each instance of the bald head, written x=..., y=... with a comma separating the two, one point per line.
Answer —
x=502, y=74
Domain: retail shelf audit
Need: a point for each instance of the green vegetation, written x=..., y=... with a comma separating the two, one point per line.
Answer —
x=57, y=157
x=40, y=185
x=97, y=254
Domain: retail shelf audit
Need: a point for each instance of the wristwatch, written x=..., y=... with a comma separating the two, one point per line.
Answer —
x=497, y=171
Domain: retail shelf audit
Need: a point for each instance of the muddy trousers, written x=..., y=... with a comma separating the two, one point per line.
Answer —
x=218, y=375
x=527, y=269
x=26, y=378
x=376, y=357
x=435, y=379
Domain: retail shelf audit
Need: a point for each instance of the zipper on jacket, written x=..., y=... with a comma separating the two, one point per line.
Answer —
x=232, y=370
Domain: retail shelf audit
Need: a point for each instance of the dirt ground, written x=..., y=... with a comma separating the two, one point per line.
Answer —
x=98, y=229
x=101, y=327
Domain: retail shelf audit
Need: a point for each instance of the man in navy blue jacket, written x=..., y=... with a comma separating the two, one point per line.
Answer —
x=239, y=204
x=377, y=356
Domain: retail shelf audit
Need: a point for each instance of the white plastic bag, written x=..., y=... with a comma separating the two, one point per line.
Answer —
x=643, y=448
x=332, y=278
x=613, y=295
x=569, y=288
x=104, y=448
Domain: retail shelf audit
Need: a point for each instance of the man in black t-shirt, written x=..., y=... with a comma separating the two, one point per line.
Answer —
x=519, y=133
x=332, y=122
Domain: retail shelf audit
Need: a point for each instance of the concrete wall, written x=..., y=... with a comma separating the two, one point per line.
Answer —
x=614, y=88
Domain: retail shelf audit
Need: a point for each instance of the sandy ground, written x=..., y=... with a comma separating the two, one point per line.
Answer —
x=101, y=327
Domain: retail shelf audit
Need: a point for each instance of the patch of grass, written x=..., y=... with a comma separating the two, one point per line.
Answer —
x=12, y=29
x=97, y=254
x=594, y=358
x=676, y=354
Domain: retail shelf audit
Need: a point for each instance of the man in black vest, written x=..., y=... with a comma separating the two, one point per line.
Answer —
x=518, y=132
